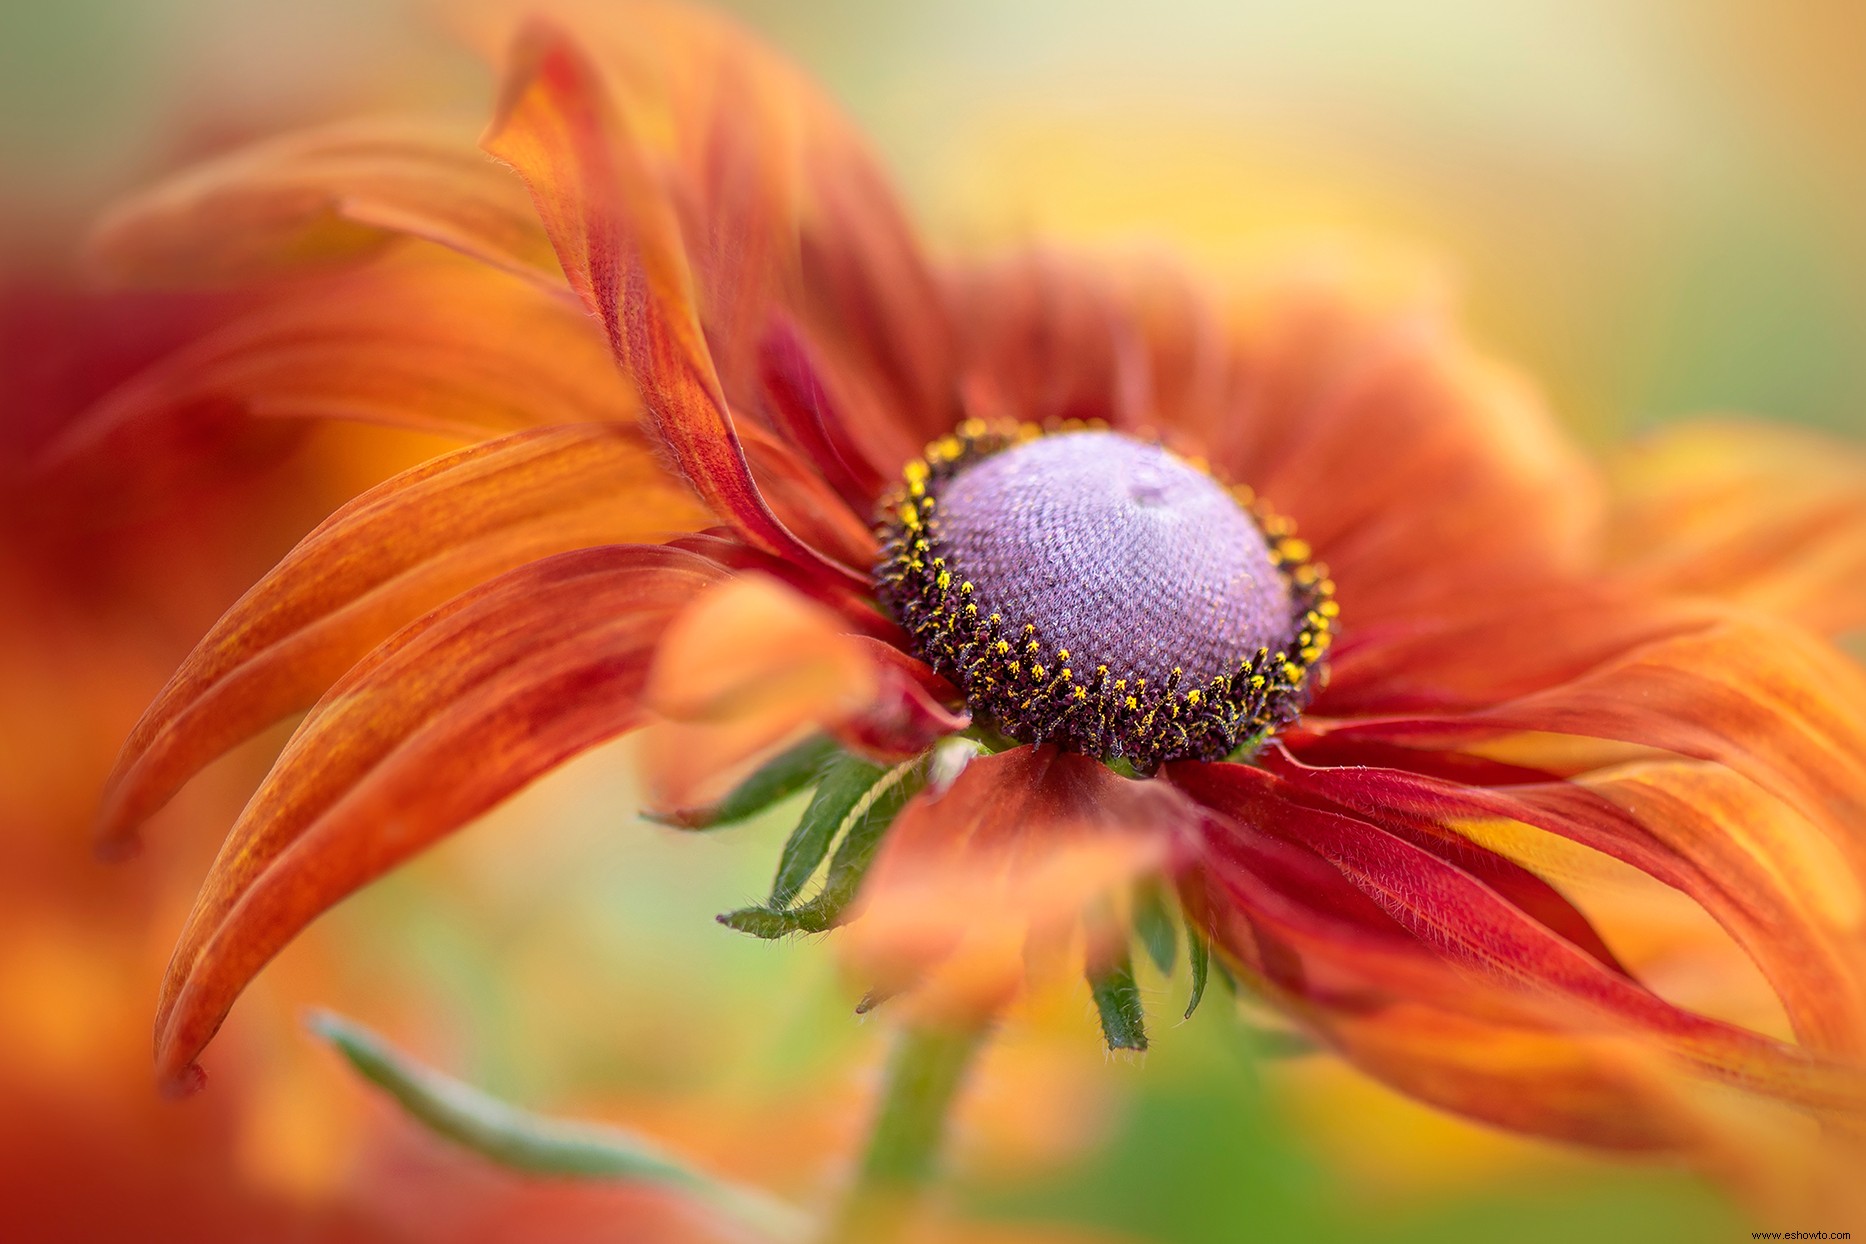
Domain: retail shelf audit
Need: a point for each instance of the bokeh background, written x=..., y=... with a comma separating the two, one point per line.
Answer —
x=1657, y=208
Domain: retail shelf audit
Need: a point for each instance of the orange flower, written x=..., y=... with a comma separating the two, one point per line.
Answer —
x=746, y=462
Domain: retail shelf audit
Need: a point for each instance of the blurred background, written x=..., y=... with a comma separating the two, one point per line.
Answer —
x=1656, y=208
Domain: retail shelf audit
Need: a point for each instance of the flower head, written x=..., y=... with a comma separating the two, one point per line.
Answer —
x=1290, y=598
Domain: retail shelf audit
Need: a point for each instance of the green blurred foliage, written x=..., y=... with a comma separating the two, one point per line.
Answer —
x=1203, y=1156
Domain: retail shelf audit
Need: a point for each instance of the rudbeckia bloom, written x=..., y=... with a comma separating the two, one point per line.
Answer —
x=1074, y=579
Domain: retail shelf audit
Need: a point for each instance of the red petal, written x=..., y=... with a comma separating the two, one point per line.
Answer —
x=1408, y=822
x=620, y=243
x=451, y=716
x=1764, y=872
x=1041, y=339
x=398, y=550
x=829, y=416
x=1476, y=956
x=805, y=503
x=909, y=711
x=1752, y=512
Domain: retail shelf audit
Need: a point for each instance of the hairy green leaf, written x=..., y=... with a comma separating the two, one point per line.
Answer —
x=840, y=797
x=862, y=827
x=1117, y=1002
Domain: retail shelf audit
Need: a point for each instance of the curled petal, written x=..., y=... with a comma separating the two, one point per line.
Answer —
x=910, y=710
x=751, y=663
x=427, y=342
x=381, y=561
x=751, y=644
x=1005, y=862
x=1764, y=872
x=1751, y=512
x=326, y=194
x=619, y=241
x=446, y=719
x=1454, y=944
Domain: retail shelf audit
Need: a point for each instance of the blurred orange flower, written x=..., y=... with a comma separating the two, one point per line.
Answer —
x=745, y=462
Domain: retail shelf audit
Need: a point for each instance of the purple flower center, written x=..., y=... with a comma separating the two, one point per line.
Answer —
x=1118, y=551
x=1096, y=591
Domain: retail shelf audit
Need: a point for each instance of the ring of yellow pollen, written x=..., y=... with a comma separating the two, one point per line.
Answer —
x=1094, y=590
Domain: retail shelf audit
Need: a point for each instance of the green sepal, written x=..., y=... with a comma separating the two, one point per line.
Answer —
x=1117, y=1002
x=778, y=778
x=1199, y=951
x=535, y=1144
x=1153, y=925
x=863, y=827
x=845, y=785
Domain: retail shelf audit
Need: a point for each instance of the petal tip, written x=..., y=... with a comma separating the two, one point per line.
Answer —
x=183, y=1084
x=115, y=844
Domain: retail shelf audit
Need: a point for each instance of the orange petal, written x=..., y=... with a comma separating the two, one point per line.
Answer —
x=395, y=552
x=1757, y=513
x=1764, y=871
x=332, y=193
x=1047, y=335
x=1769, y=702
x=619, y=241
x=422, y=341
x=452, y=715
x=1780, y=718
x=1591, y=1089
x=1487, y=648
x=1420, y=472
x=1010, y=857
x=780, y=202
x=751, y=663
x=746, y=665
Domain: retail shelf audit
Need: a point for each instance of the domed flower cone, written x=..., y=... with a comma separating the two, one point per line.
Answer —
x=1285, y=596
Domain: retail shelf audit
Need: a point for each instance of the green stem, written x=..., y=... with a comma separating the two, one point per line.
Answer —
x=925, y=1074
